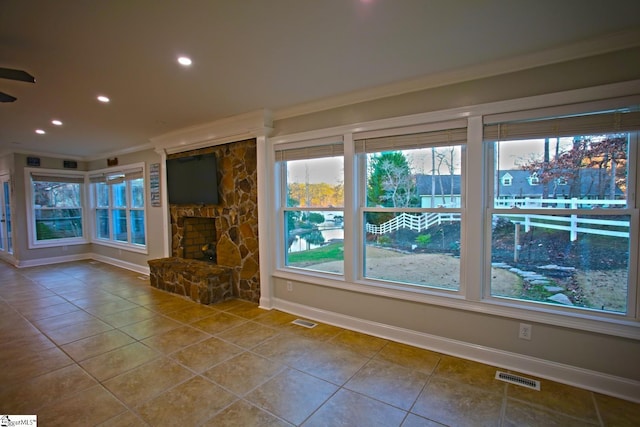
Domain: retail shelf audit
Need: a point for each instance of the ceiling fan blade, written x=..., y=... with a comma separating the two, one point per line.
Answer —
x=6, y=98
x=11, y=74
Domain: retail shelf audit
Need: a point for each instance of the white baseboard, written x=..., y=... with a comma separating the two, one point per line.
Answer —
x=52, y=260
x=590, y=380
x=122, y=264
x=80, y=257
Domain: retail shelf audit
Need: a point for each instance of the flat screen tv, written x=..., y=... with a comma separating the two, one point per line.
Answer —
x=193, y=180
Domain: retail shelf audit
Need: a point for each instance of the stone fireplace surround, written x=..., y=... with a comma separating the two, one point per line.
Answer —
x=235, y=224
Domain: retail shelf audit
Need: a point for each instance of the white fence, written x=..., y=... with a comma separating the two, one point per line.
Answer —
x=412, y=222
x=572, y=223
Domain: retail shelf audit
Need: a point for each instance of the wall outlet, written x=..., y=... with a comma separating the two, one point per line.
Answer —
x=525, y=331
x=289, y=286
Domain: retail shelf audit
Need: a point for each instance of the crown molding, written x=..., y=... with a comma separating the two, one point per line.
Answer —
x=591, y=47
x=235, y=128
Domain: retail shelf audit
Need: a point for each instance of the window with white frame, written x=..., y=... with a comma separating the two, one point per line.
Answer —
x=572, y=247
x=55, y=208
x=412, y=192
x=312, y=206
x=566, y=247
x=119, y=206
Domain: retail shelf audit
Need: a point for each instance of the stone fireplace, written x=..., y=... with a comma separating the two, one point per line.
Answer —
x=199, y=239
x=231, y=227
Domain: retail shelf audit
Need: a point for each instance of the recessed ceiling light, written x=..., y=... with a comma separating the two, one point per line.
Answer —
x=183, y=60
x=40, y=132
x=103, y=98
x=56, y=122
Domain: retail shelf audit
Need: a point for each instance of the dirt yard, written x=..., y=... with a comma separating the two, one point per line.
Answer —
x=602, y=289
x=423, y=269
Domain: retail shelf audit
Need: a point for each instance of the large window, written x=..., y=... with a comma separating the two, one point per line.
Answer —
x=312, y=200
x=503, y=212
x=55, y=208
x=119, y=206
x=411, y=207
x=563, y=238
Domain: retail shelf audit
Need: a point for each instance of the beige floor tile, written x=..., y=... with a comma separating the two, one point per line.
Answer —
x=347, y=408
x=410, y=357
x=86, y=408
x=147, y=381
x=413, y=420
x=176, y=339
x=116, y=362
x=97, y=299
x=242, y=413
x=469, y=372
x=16, y=348
x=366, y=345
x=16, y=328
x=127, y=317
x=389, y=383
x=558, y=397
x=248, y=335
x=285, y=348
x=35, y=313
x=275, y=318
x=62, y=320
x=218, y=322
x=32, y=364
x=226, y=305
x=149, y=327
x=97, y=344
x=44, y=299
x=330, y=362
x=189, y=404
x=78, y=331
x=519, y=414
x=174, y=304
x=244, y=372
x=618, y=412
x=125, y=419
x=321, y=331
x=192, y=314
x=452, y=403
x=292, y=395
x=27, y=397
x=247, y=310
x=111, y=308
x=205, y=354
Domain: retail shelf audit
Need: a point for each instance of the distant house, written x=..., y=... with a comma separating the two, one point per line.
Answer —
x=518, y=187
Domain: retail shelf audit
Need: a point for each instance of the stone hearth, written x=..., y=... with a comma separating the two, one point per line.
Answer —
x=200, y=281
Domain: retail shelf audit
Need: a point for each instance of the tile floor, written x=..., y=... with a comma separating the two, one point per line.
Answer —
x=85, y=343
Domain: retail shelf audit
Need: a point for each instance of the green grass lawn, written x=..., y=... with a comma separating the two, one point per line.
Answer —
x=331, y=252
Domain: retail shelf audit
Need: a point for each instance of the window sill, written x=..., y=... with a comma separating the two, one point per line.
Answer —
x=613, y=325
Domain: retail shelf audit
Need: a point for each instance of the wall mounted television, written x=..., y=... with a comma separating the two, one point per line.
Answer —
x=193, y=180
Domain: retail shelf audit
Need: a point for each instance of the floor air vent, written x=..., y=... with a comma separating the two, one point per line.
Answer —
x=518, y=380
x=305, y=323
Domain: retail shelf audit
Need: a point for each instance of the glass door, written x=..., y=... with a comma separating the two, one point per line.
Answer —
x=6, y=244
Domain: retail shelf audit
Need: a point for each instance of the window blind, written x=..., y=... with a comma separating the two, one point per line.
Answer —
x=321, y=148
x=591, y=124
x=411, y=141
x=45, y=177
x=115, y=177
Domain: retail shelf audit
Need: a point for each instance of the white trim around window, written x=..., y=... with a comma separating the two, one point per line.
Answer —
x=473, y=293
x=59, y=219
x=122, y=204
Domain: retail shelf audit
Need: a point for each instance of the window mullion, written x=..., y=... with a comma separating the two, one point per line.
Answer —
x=472, y=234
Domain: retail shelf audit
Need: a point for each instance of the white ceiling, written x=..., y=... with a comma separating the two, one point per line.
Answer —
x=248, y=55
